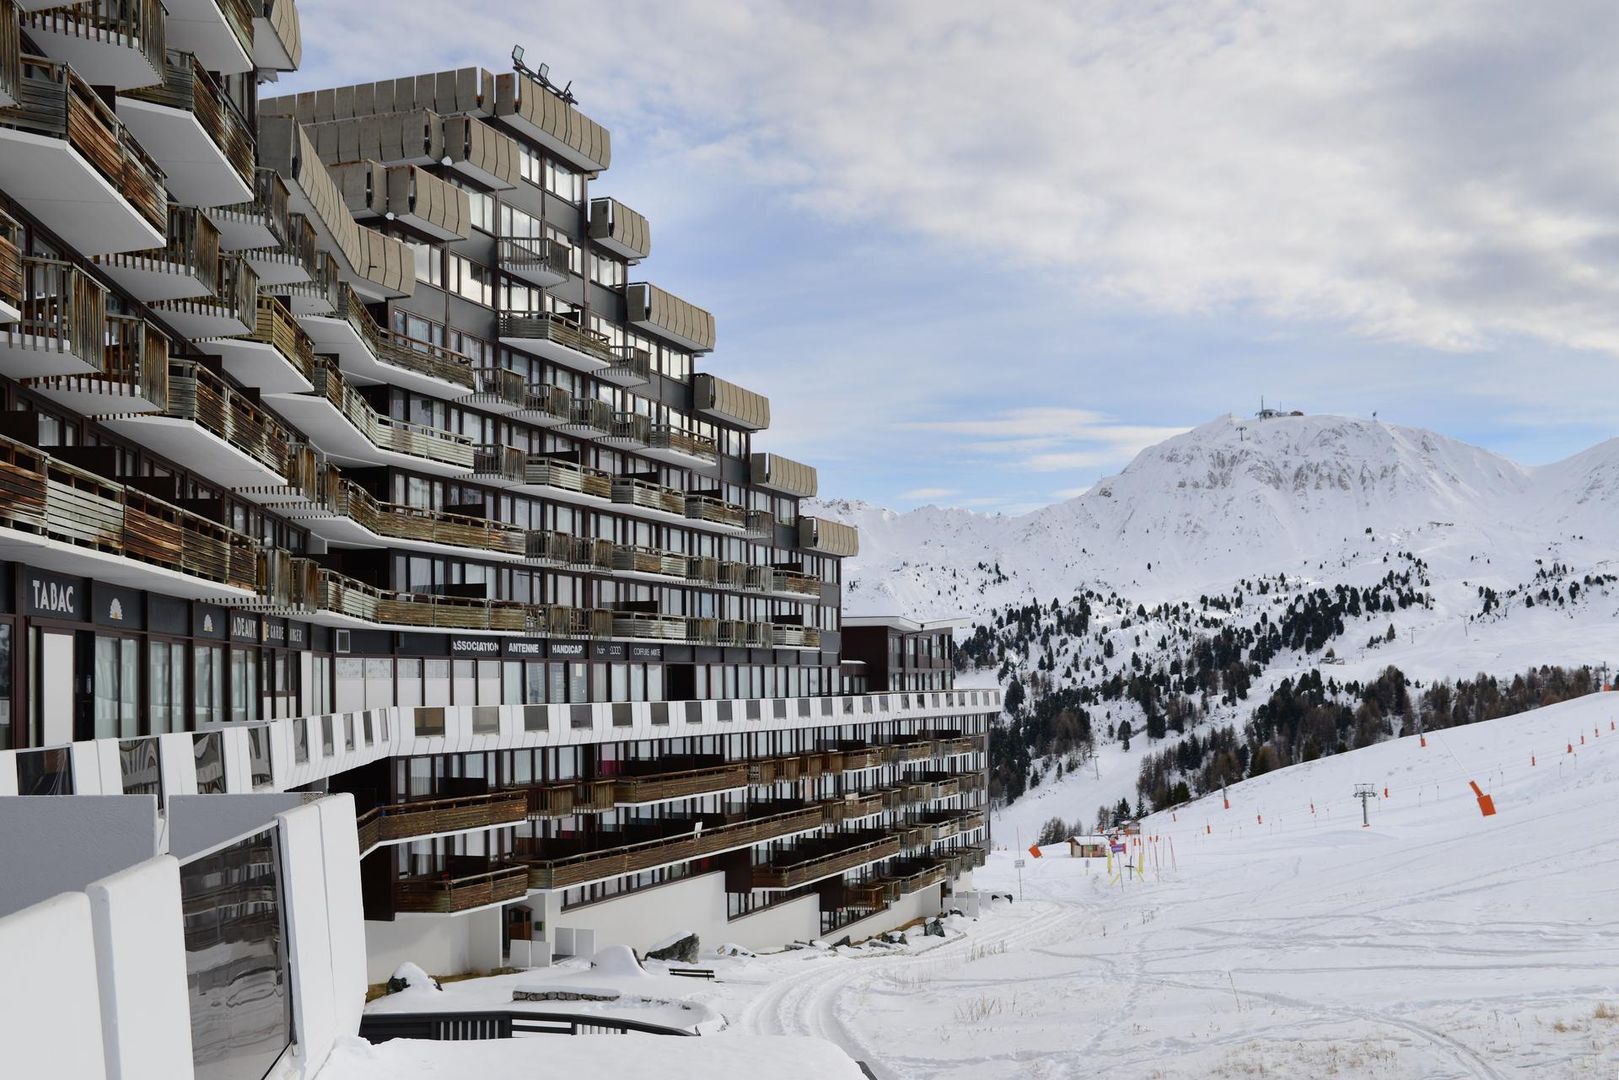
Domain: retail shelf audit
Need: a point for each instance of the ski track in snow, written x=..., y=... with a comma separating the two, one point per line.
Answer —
x=1437, y=944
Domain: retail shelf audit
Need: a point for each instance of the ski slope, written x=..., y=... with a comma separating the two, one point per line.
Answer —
x=1270, y=940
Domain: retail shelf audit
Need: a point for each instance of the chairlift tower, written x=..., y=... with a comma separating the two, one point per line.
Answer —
x=1365, y=793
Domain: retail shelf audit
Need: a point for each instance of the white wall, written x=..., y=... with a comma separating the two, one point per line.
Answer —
x=917, y=905
x=438, y=944
x=68, y=841
x=50, y=1010
x=140, y=943
x=345, y=915
x=309, y=937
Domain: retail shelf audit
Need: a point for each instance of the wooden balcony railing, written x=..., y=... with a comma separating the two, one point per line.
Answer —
x=10, y=52
x=187, y=85
x=50, y=498
x=313, y=588
x=402, y=522
x=498, y=463
x=53, y=100
x=824, y=856
x=430, y=817
x=628, y=429
x=192, y=250
x=680, y=441
x=135, y=367
x=63, y=311
x=270, y=209
x=494, y=386
x=654, y=627
x=681, y=783
x=445, y=894
x=709, y=508
x=546, y=403
x=631, y=366
x=385, y=432
x=646, y=560
x=131, y=24
x=234, y=300
x=199, y=395
x=643, y=493
x=557, y=864
x=798, y=637
x=566, y=476
x=853, y=807
x=589, y=416
x=564, y=549
x=403, y=351
x=552, y=327
x=11, y=290
x=275, y=326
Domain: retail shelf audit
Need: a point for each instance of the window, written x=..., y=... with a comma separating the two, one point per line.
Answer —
x=117, y=687
x=208, y=684
x=471, y=280
x=166, y=686
x=244, y=683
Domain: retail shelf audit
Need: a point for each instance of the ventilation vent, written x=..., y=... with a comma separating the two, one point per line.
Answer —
x=340, y=641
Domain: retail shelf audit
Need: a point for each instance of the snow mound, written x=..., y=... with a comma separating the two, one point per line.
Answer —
x=618, y=960
x=415, y=979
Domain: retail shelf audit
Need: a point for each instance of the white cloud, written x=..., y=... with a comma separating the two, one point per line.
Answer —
x=924, y=494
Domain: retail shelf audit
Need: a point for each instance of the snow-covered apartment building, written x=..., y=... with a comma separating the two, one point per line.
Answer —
x=345, y=451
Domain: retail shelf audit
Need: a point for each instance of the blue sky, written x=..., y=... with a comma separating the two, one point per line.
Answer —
x=980, y=255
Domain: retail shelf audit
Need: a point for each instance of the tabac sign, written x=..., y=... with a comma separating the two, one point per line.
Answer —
x=54, y=596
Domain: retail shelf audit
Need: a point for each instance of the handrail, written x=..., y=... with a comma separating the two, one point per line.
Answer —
x=63, y=311
x=404, y=522
x=135, y=24
x=403, y=351
x=449, y=894
x=385, y=432
x=192, y=246
x=551, y=326
x=274, y=326
x=270, y=205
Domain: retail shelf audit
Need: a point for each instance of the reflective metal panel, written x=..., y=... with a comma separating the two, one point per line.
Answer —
x=236, y=963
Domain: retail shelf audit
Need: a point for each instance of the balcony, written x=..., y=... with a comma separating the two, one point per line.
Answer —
x=784, y=476
x=480, y=153
x=545, y=406
x=348, y=516
x=134, y=375
x=561, y=479
x=559, y=339
x=906, y=876
x=627, y=431
x=230, y=311
x=787, y=583
x=850, y=756
x=193, y=130
x=66, y=159
x=854, y=807
x=620, y=230
x=276, y=358
x=540, y=262
x=666, y=783
x=394, y=822
x=532, y=110
x=117, y=43
x=795, y=637
x=563, y=863
x=293, y=261
x=632, y=368
x=407, y=194
x=496, y=390
x=354, y=434
x=648, y=496
x=331, y=598
x=729, y=403
x=277, y=36
x=222, y=435
x=740, y=634
x=48, y=500
x=219, y=32
x=680, y=447
x=828, y=537
x=262, y=222
x=650, y=627
x=322, y=294
x=187, y=266
x=450, y=891
x=62, y=326
x=549, y=548
x=822, y=857
x=588, y=417
x=715, y=511
x=666, y=316
x=369, y=354
x=498, y=465
x=649, y=561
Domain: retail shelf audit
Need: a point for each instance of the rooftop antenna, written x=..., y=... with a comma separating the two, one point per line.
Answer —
x=542, y=76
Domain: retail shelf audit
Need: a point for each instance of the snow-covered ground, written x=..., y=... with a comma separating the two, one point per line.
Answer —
x=1278, y=938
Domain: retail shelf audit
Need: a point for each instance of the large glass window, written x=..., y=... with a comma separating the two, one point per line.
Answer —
x=244, y=685
x=208, y=683
x=7, y=738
